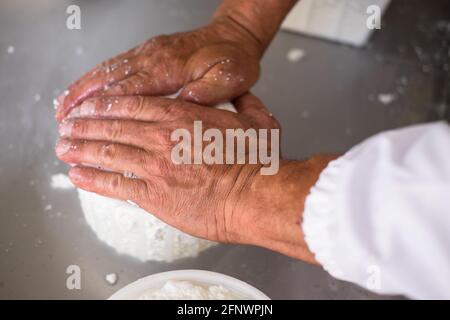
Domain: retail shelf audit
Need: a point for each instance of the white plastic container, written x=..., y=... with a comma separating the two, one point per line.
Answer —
x=206, y=278
x=336, y=20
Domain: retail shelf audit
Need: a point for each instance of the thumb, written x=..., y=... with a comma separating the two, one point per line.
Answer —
x=225, y=75
x=250, y=105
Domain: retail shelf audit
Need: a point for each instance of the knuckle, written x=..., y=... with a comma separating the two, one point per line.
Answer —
x=162, y=136
x=76, y=149
x=156, y=194
x=168, y=52
x=135, y=107
x=115, y=182
x=98, y=104
x=142, y=162
x=121, y=88
x=157, y=42
x=146, y=75
x=166, y=141
x=103, y=66
x=187, y=122
x=173, y=110
x=115, y=130
x=139, y=192
x=161, y=166
x=80, y=128
x=108, y=151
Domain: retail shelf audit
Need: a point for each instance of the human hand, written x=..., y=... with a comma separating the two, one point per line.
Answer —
x=213, y=64
x=133, y=134
x=221, y=202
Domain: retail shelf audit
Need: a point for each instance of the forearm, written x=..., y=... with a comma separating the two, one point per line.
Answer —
x=270, y=214
x=260, y=18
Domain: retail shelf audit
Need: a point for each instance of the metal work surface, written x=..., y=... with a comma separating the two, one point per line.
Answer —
x=326, y=102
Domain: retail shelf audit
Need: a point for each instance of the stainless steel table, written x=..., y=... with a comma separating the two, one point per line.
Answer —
x=326, y=102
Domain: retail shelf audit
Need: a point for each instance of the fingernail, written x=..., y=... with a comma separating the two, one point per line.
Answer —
x=74, y=113
x=65, y=128
x=60, y=99
x=81, y=176
x=62, y=147
x=190, y=95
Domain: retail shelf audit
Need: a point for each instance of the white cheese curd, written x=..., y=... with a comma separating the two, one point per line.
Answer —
x=132, y=231
x=185, y=290
x=61, y=181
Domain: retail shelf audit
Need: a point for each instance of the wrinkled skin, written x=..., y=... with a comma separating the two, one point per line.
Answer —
x=112, y=118
x=213, y=64
x=132, y=134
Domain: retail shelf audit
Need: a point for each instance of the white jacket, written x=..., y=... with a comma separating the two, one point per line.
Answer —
x=379, y=216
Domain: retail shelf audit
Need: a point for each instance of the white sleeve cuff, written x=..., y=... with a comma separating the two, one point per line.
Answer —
x=319, y=217
x=379, y=215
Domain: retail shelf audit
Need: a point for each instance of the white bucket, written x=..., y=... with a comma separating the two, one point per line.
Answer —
x=343, y=21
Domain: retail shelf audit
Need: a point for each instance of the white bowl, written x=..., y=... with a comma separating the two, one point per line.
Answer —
x=156, y=281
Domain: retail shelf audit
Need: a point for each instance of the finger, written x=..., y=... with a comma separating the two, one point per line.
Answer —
x=134, y=53
x=253, y=107
x=109, y=184
x=250, y=104
x=153, y=83
x=222, y=81
x=99, y=81
x=110, y=156
x=134, y=133
x=101, y=66
x=133, y=108
x=127, y=55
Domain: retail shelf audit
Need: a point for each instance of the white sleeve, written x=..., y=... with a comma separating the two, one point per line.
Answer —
x=379, y=216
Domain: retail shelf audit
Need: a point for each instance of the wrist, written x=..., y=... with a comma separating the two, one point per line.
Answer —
x=229, y=29
x=259, y=18
x=269, y=213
